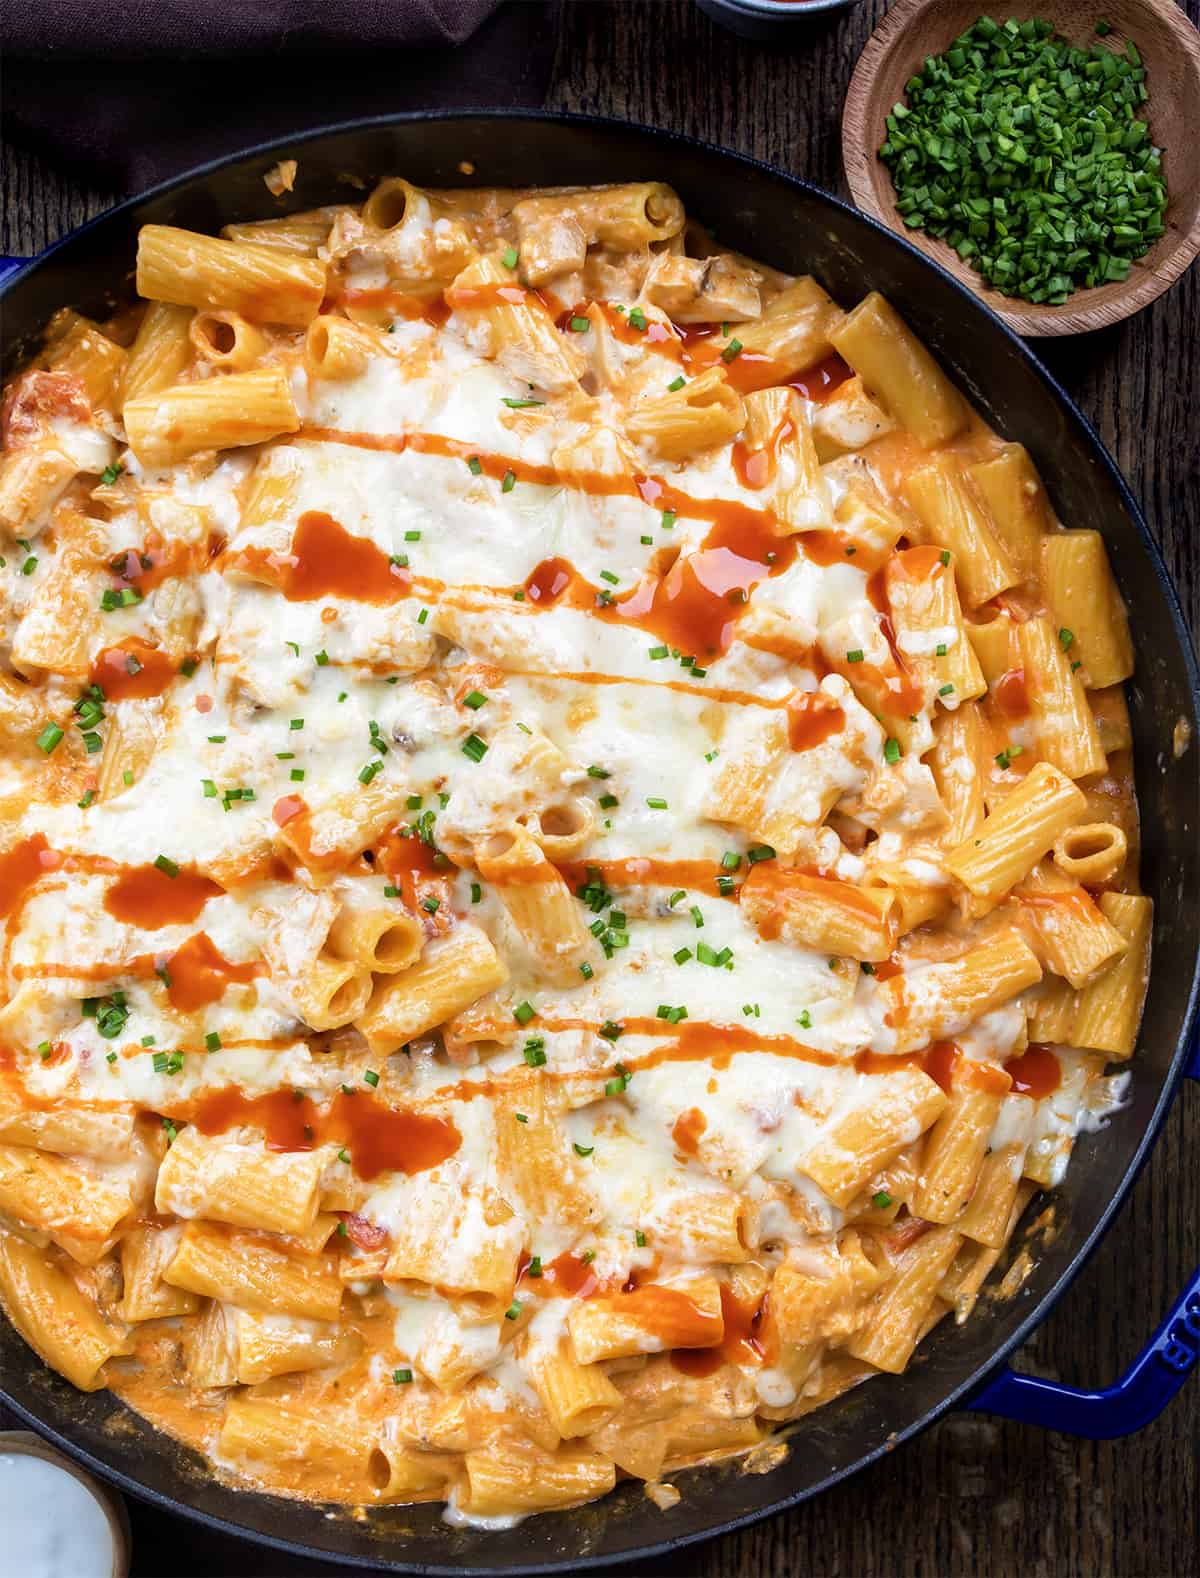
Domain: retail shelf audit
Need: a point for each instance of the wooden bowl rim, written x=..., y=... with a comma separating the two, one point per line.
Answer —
x=1074, y=316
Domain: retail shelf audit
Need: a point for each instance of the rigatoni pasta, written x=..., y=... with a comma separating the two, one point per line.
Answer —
x=570, y=858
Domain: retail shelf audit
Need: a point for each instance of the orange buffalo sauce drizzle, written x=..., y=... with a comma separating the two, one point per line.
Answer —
x=746, y=1338
x=813, y=717
x=715, y=1043
x=379, y=1138
x=688, y=1130
x=1036, y=1072
x=944, y=1063
x=146, y=896
x=199, y=974
x=148, y=567
x=418, y=869
x=325, y=560
x=700, y=347
x=1011, y=694
x=196, y=974
x=694, y=605
x=25, y=864
x=134, y=670
x=754, y=468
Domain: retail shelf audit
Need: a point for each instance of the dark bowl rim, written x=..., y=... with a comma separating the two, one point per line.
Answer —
x=1084, y=431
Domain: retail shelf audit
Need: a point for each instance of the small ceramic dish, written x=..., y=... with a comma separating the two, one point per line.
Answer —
x=1170, y=49
x=770, y=21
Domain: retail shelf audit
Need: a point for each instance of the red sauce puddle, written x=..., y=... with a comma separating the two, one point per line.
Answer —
x=21, y=867
x=325, y=560
x=379, y=1138
x=146, y=896
x=132, y=671
x=745, y=1339
x=1037, y=1072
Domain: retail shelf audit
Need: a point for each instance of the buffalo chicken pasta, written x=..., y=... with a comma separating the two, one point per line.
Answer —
x=569, y=859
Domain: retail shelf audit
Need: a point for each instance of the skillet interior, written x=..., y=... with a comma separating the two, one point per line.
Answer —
x=795, y=227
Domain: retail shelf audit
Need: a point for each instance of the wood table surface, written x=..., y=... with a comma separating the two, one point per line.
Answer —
x=971, y=1496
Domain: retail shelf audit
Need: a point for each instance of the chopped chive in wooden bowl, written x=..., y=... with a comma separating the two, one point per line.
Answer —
x=1027, y=155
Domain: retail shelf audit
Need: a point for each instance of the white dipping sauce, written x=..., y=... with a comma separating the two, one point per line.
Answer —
x=51, y=1525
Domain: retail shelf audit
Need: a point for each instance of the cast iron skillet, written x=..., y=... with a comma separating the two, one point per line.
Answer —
x=795, y=227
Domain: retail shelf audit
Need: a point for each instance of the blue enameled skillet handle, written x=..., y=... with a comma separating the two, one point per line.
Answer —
x=9, y=266
x=1141, y=1394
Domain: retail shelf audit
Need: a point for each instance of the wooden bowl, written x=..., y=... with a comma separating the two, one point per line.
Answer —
x=1170, y=50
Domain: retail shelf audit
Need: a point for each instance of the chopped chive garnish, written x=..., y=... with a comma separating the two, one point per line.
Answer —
x=370, y=771
x=402, y=1377
x=658, y=652
x=669, y=518
x=758, y=853
x=891, y=750
x=476, y=892
x=474, y=699
x=519, y=404
x=682, y=955
x=509, y=483
x=676, y=383
x=168, y=867
x=656, y=802
x=509, y=257
x=370, y=1077
x=49, y=738
x=474, y=465
x=583, y=1150
x=110, y=473
x=881, y=1200
x=805, y=1020
x=580, y=325
x=856, y=656
x=524, y=1012
x=732, y=351
x=474, y=747
x=586, y=971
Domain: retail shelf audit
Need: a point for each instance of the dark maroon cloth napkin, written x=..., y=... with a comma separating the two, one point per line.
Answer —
x=128, y=92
